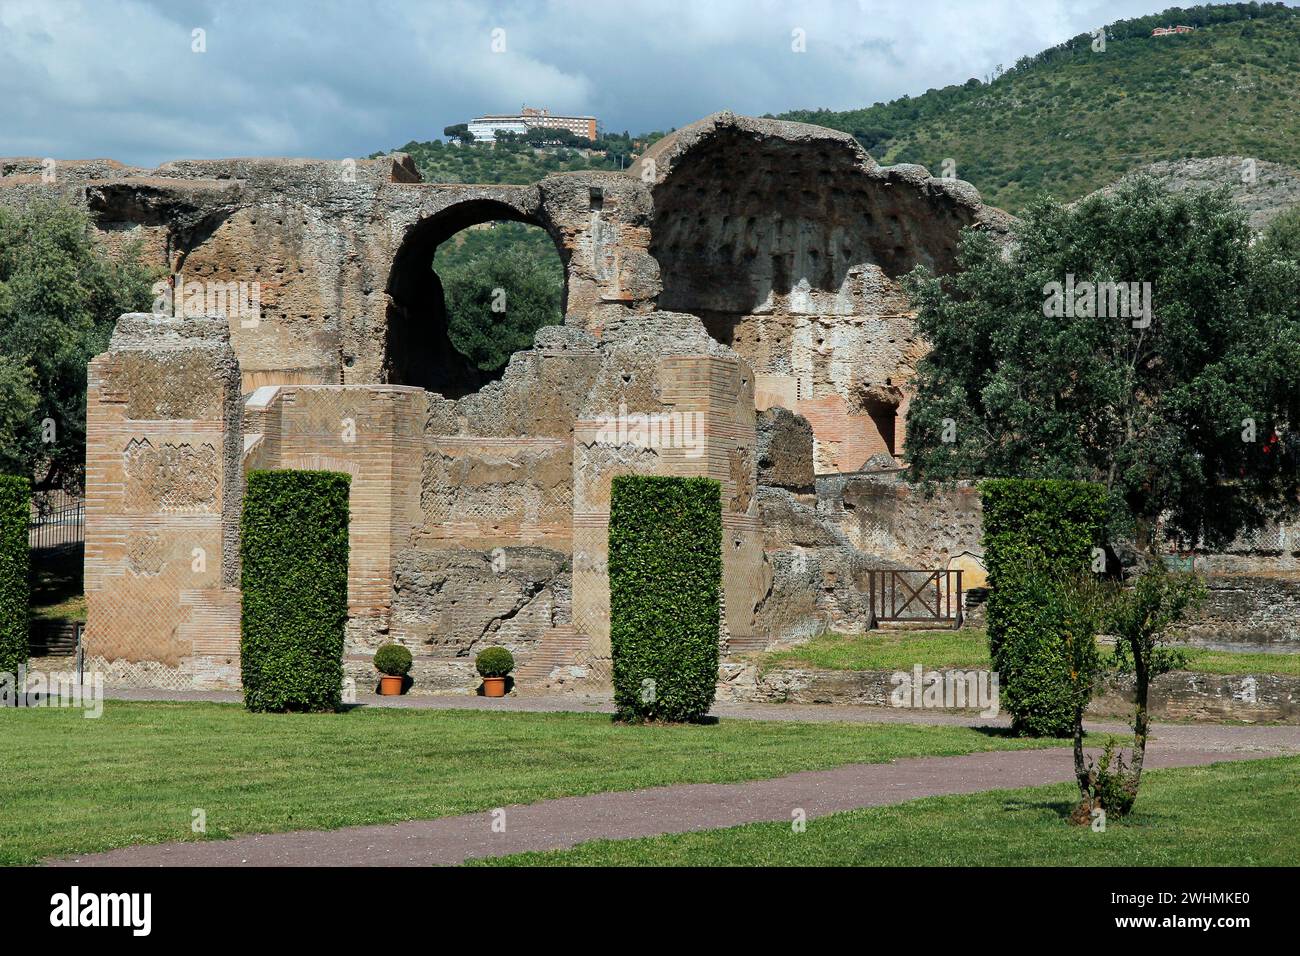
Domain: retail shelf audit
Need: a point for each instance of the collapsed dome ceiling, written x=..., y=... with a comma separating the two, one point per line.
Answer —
x=749, y=212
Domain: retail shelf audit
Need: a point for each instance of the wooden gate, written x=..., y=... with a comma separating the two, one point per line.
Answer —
x=915, y=595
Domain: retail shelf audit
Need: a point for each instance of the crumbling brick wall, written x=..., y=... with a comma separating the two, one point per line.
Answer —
x=164, y=491
x=480, y=507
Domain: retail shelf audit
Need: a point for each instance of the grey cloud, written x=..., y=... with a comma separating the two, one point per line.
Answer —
x=332, y=79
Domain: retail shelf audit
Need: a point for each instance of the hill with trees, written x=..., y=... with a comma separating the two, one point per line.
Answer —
x=519, y=159
x=1078, y=116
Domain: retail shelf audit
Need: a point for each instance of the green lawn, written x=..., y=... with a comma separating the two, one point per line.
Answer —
x=70, y=784
x=899, y=650
x=72, y=609
x=886, y=651
x=1245, y=813
x=57, y=591
x=1234, y=662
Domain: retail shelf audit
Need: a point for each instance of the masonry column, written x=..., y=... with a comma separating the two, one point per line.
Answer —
x=706, y=413
x=164, y=490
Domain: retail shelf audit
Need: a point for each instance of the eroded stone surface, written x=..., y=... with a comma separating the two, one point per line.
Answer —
x=785, y=450
x=164, y=477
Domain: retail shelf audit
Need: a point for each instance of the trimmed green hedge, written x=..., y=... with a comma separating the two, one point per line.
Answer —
x=494, y=662
x=393, y=660
x=1035, y=530
x=665, y=586
x=294, y=576
x=15, y=571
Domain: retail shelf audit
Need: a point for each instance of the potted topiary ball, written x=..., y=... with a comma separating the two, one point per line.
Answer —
x=493, y=664
x=393, y=661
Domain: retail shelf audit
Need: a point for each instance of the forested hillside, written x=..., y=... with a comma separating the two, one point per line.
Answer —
x=1072, y=119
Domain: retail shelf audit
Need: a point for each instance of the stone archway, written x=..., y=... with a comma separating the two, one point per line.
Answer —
x=418, y=350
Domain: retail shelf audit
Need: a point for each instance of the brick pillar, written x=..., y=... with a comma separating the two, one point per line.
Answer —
x=717, y=394
x=164, y=489
x=375, y=433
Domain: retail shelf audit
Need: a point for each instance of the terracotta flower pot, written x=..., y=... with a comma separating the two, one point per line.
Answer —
x=390, y=685
x=494, y=687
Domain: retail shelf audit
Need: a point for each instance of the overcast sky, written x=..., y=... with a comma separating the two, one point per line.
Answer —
x=320, y=78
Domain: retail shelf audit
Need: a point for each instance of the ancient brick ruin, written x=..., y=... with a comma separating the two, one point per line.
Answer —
x=739, y=283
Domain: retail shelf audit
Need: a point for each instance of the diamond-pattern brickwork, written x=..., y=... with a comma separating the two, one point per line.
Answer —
x=163, y=495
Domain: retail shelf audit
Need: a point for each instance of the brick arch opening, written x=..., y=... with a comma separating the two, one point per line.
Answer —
x=418, y=350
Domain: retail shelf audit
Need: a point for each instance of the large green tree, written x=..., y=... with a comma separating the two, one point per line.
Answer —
x=1181, y=411
x=500, y=285
x=60, y=294
x=1281, y=239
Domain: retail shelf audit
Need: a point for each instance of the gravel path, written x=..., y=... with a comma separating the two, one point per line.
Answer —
x=561, y=823
x=557, y=824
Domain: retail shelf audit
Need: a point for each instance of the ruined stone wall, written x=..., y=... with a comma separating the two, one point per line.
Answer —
x=464, y=515
x=480, y=507
x=824, y=535
x=667, y=366
x=1253, y=584
x=341, y=252
x=788, y=241
x=374, y=433
x=915, y=525
x=1249, y=612
x=162, y=510
x=515, y=492
x=880, y=521
x=489, y=561
x=1178, y=695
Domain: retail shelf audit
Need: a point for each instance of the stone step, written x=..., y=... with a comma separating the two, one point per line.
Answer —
x=929, y=625
x=560, y=646
x=52, y=638
x=746, y=645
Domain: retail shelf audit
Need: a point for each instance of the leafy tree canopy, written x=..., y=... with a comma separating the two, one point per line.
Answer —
x=60, y=295
x=1185, y=415
x=458, y=131
x=501, y=284
x=1282, y=237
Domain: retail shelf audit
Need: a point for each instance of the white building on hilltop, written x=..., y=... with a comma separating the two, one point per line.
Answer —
x=485, y=128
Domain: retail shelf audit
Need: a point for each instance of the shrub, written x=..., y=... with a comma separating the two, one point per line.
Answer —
x=494, y=662
x=393, y=660
x=1143, y=619
x=15, y=564
x=1036, y=531
x=665, y=583
x=294, y=550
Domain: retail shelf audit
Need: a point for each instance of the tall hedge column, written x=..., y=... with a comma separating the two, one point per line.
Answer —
x=1036, y=533
x=665, y=583
x=15, y=565
x=294, y=576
